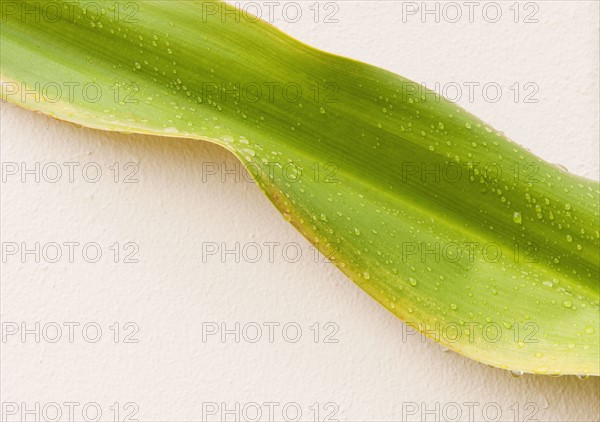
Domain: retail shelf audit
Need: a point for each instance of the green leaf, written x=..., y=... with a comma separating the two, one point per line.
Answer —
x=455, y=229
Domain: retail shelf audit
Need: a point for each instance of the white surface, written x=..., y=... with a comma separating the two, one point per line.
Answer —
x=175, y=207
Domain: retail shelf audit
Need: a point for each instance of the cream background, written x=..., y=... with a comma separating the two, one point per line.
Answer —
x=370, y=372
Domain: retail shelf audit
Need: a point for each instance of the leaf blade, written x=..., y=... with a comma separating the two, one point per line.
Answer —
x=403, y=205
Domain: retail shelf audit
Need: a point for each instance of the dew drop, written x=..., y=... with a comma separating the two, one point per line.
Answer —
x=517, y=217
x=515, y=373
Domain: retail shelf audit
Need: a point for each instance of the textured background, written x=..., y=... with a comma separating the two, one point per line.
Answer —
x=372, y=372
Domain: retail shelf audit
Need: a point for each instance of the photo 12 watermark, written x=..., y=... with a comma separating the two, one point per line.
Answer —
x=70, y=411
x=469, y=172
x=14, y=332
x=69, y=172
x=472, y=331
x=290, y=12
x=452, y=12
x=526, y=92
x=251, y=92
x=470, y=411
x=288, y=171
x=269, y=332
x=268, y=252
x=72, y=92
x=94, y=13
x=269, y=411
x=69, y=252
x=467, y=252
